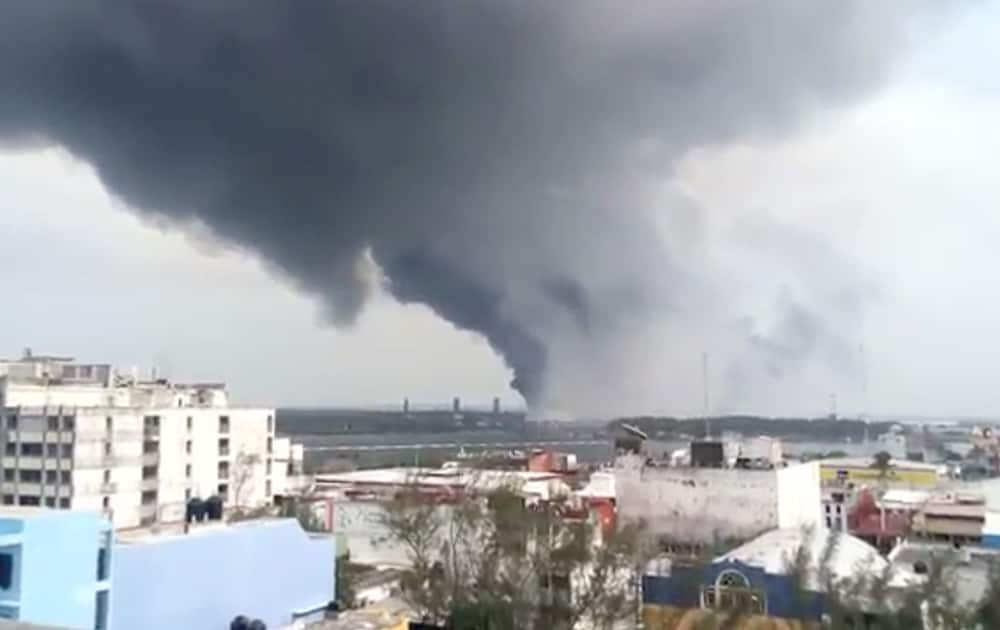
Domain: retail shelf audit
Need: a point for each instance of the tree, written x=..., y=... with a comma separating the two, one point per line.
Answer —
x=241, y=477
x=492, y=562
x=882, y=461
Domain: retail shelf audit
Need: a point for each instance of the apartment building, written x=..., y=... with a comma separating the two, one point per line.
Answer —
x=82, y=436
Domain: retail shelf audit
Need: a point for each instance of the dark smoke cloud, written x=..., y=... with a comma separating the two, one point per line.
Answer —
x=490, y=156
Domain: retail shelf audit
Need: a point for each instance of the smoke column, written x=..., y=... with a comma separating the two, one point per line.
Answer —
x=496, y=160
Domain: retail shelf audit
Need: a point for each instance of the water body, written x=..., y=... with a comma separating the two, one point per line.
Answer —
x=395, y=449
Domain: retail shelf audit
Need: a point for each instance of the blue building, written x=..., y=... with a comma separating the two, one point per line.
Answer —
x=757, y=578
x=267, y=569
x=55, y=567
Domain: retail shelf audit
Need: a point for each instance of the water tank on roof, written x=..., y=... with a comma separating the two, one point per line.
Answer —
x=195, y=510
x=239, y=622
x=257, y=624
x=213, y=508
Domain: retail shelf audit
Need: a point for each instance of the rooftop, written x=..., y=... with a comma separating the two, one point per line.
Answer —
x=24, y=512
x=777, y=550
x=174, y=531
x=440, y=477
x=866, y=462
x=905, y=497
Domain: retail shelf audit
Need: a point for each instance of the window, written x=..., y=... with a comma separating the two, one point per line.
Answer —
x=150, y=447
x=732, y=590
x=270, y=445
x=64, y=476
x=64, y=502
x=190, y=422
x=67, y=450
x=223, y=424
x=101, y=610
x=28, y=500
x=52, y=450
x=267, y=466
x=9, y=474
x=223, y=470
x=30, y=476
x=107, y=449
x=223, y=490
x=187, y=494
x=149, y=472
x=187, y=447
x=12, y=422
x=105, y=502
x=270, y=424
x=53, y=423
x=11, y=449
x=51, y=476
x=68, y=424
x=109, y=424
x=6, y=571
x=148, y=497
x=31, y=449
x=107, y=476
x=50, y=502
x=223, y=446
x=267, y=487
x=187, y=471
x=8, y=499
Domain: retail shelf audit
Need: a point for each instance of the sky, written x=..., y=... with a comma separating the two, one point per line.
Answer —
x=883, y=210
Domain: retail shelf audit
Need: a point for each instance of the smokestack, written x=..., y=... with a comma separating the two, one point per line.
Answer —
x=456, y=405
x=496, y=406
x=406, y=406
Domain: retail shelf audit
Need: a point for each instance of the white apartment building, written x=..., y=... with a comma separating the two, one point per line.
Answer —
x=84, y=437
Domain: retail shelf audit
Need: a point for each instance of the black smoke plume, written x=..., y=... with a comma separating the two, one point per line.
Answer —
x=491, y=156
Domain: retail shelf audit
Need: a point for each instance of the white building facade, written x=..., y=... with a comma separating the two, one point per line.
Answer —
x=700, y=506
x=80, y=436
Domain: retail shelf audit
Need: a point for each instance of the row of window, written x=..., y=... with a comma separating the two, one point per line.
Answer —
x=35, y=476
x=67, y=423
x=37, y=449
x=26, y=499
x=54, y=423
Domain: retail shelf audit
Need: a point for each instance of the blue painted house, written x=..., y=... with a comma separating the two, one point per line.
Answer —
x=266, y=569
x=55, y=567
x=758, y=577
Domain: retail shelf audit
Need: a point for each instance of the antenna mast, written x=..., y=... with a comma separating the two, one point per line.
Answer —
x=704, y=394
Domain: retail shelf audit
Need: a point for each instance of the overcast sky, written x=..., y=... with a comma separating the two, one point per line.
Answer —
x=901, y=187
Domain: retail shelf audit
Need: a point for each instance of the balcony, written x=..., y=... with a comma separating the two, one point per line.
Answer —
x=151, y=433
x=29, y=488
x=150, y=459
x=149, y=484
x=30, y=462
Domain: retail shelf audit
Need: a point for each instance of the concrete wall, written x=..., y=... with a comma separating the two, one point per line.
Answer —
x=263, y=569
x=699, y=505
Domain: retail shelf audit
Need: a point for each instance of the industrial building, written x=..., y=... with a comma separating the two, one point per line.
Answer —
x=82, y=436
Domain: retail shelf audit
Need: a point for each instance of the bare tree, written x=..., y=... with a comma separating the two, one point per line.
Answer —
x=241, y=477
